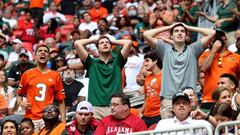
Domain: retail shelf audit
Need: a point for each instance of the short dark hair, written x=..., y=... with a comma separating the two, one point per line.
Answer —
x=124, y=98
x=153, y=55
x=12, y=121
x=103, y=19
x=223, y=109
x=41, y=45
x=231, y=77
x=102, y=37
x=177, y=25
x=28, y=120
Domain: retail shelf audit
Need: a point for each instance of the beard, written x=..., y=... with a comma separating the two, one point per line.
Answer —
x=23, y=63
x=51, y=120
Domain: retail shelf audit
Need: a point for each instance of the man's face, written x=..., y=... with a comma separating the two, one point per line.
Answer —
x=87, y=17
x=179, y=34
x=181, y=108
x=68, y=74
x=28, y=17
x=97, y=4
x=192, y=97
x=149, y=64
x=53, y=6
x=102, y=25
x=117, y=108
x=104, y=45
x=227, y=83
x=84, y=118
x=50, y=112
x=23, y=59
x=42, y=55
x=225, y=97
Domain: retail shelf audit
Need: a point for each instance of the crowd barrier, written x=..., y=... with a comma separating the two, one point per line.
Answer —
x=181, y=130
x=226, y=127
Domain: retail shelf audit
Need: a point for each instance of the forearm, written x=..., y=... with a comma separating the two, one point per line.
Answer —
x=121, y=42
x=210, y=18
x=19, y=99
x=203, y=31
x=207, y=62
x=62, y=110
x=192, y=18
x=84, y=42
x=154, y=32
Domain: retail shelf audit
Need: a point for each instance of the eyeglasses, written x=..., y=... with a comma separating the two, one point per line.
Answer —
x=50, y=109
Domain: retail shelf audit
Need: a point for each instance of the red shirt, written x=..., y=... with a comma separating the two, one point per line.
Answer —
x=110, y=126
x=28, y=34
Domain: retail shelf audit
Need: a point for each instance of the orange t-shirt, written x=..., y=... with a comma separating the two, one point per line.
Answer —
x=56, y=131
x=97, y=14
x=40, y=89
x=230, y=64
x=152, y=101
x=3, y=102
x=36, y=4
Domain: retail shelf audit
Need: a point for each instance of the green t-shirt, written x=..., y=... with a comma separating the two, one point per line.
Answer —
x=104, y=79
x=225, y=12
x=192, y=12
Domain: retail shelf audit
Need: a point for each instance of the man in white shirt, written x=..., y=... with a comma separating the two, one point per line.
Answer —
x=88, y=23
x=181, y=109
x=53, y=13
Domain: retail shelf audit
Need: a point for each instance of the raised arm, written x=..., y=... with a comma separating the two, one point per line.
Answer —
x=149, y=35
x=79, y=45
x=126, y=44
x=206, y=63
x=209, y=18
x=208, y=34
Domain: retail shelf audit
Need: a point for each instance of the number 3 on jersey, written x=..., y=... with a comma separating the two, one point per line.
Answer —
x=42, y=92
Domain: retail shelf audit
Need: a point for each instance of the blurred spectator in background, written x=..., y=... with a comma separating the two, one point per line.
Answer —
x=72, y=88
x=4, y=48
x=53, y=31
x=28, y=26
x=88, y=23
x=98, y=11
x=7, y=17
x=14, y=55
x=187, y=14
x=2, y=62
x=84, y=122
x=19, y=68
x=36, y=7
x=68, y=7
x=53, y=13
x=83, y=6
x=224, y=19
x=124, y=27
x=5, y=89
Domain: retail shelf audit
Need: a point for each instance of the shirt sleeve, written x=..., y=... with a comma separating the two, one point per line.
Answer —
x=60, y=93
x=22, y=84
x=101, y=129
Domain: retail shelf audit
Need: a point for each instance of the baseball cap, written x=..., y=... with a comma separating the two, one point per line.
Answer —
x=178, y=95
x=23, y=51
x=84, y=106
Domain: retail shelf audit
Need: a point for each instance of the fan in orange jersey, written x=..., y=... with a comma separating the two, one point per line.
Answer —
x=41, y=86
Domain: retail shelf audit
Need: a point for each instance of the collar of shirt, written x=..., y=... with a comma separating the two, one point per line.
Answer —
x=187, y=121
x=174, y=49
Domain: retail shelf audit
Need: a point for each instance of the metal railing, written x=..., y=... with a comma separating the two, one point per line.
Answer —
x=226, y=126
x=181, y=130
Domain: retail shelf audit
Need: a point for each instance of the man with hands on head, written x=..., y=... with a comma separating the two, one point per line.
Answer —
x=179, y=59
x=102, y=71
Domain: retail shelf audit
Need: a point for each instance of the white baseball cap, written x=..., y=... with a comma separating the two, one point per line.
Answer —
x=84, y=106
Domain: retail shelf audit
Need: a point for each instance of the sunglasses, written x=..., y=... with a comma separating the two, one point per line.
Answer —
x=50, y=109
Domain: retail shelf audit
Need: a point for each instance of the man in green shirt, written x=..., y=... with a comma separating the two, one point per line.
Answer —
x=104, y=72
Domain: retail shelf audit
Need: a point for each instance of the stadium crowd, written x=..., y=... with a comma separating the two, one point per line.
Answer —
x=91, y=57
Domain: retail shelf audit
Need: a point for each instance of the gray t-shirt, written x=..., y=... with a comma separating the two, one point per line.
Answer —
x=179, y=69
